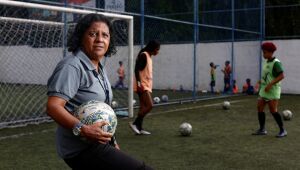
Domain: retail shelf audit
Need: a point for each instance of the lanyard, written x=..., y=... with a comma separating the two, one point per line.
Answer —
x=104, y=86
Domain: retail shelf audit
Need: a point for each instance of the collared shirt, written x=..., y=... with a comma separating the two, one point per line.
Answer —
x=76, y=80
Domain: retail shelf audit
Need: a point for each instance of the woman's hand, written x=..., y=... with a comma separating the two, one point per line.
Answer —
x=94, y=132
x=117, y=146
x=258, y=82
x=140, y=87
x=268, y=87
x=274, y=81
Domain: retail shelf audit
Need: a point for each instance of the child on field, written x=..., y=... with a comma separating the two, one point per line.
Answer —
x=248, y=88
x=212, y=76
x=235, y=88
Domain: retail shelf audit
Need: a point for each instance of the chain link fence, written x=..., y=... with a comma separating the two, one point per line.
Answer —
x=190, y=38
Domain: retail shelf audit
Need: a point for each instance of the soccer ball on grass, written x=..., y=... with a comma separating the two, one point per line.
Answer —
x=185, y=129
x=226, y=105
x=287, y=115
x=156, y=100
x=114, y=104
x=133, y=102
x=164, y=98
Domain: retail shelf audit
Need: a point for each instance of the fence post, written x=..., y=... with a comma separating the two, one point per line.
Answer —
x=195, y=46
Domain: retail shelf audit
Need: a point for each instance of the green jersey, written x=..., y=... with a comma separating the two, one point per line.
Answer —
x=271, y=69
x=213, y=74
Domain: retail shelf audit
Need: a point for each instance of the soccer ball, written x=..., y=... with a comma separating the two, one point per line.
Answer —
x=226, y=105
x=185, y=129
x=164, y=98
x=287, y=115
x=114, y=104
x=95, y=111
x=133, y=102
x=204, y=91
x=156, y=100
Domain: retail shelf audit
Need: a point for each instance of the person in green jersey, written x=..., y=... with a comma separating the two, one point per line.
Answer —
x=270, y=89
x=212, y=76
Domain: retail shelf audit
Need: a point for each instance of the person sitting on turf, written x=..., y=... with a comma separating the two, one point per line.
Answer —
x=235, y=88
x=248, y=88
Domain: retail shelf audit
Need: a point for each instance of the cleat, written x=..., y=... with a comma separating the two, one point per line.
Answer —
x=282, y=134
x=260, y=132
x=134, y=128
x=143, y=132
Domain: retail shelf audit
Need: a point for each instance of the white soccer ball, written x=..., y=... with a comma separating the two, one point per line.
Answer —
x=156, y=100
x=133, y=102
x=114, y=104
x=226, y=105
x=164, y=98
x=185, y=129
x=95, y=111
x=204, y=91
x=287, y=115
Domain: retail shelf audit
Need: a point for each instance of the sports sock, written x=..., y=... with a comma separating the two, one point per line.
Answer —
x=278, y=120
x=262, y=120
x=138, y=122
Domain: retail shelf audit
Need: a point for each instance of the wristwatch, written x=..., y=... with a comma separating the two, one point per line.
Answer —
x=77, y=128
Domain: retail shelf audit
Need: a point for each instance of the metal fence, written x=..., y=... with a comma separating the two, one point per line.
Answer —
x=189, y=32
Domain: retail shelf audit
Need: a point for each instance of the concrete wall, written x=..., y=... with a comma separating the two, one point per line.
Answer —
x=173, y=66
x=288, y=53
x=25, y=65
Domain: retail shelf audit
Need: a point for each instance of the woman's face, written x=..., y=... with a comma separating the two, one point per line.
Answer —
x=95, y=41
x=267, y=54
x=156, y=51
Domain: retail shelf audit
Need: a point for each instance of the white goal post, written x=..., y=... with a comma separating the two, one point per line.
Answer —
x=12, y=25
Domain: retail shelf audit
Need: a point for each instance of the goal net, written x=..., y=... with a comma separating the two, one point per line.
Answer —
x=32, y=38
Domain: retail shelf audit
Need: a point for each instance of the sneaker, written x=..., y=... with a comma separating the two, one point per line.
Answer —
x=143, y=132
x=281, y=134
x=134, y=128
x=260, y=132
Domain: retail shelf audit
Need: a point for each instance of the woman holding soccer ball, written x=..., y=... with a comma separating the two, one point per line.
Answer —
x=270, y=90
x=79, y=78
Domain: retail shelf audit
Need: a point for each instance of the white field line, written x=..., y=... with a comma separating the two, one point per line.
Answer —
x=196, y=107
x=26, y=134
x=155, y=113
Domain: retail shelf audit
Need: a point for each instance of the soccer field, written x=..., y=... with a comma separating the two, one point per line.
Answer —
x=221, y=139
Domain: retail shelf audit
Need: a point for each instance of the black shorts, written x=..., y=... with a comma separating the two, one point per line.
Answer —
x=212, y=83
x=106, y=157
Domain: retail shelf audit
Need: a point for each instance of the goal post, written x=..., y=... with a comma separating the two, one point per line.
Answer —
x=31, y=44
